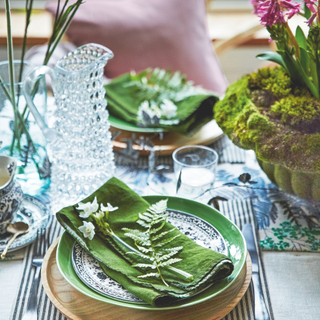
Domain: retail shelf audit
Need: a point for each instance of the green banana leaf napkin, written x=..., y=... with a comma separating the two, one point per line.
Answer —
x=206, y=266
x=156, y=98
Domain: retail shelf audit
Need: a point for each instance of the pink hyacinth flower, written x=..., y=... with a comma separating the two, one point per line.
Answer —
x=311, y=6
x=273, y=11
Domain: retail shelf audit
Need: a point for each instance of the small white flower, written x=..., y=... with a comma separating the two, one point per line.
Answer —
x=155, y=109
x=87, y=229
x=144, y=106
x=88, y=208
x=151, y=110
x=109, y=207
x=168, y=108
x=99, y=214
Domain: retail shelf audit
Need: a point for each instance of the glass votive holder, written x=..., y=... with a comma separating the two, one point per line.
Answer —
x=195, y=170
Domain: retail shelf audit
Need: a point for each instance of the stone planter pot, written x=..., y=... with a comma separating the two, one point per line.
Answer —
x=265, y=112
x=303, y=184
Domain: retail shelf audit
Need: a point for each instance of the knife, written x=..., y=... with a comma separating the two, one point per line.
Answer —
x=260, y=309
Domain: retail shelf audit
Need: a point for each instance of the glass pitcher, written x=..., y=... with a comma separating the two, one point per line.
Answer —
x=78, y=136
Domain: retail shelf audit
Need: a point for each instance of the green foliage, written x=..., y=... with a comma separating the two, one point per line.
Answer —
x=159, y=84
x=151, y=242
x=298, y=55
x=294, y=236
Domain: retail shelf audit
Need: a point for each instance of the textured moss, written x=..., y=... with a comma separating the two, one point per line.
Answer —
x=294, y=109
x=265, y=112
x=273, y=80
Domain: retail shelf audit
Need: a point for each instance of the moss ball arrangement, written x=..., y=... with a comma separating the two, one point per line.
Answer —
x=265, y=111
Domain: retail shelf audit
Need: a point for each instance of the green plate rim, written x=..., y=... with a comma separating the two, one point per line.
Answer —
x=123, y=125
x=185, y=205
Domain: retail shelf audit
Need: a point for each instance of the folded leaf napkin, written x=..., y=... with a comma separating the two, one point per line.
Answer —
x=156, y=98
x=206, y=266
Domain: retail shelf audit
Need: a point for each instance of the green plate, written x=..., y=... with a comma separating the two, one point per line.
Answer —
x=231, y=234
x=122, y=125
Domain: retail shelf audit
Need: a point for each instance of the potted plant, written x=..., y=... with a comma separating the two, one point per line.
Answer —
x=19, y=135
x=276, y=111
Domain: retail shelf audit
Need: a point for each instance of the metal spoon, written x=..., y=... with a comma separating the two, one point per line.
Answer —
x=16, y=229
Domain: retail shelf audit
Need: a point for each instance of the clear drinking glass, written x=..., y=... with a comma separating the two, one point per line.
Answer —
x=194, y=169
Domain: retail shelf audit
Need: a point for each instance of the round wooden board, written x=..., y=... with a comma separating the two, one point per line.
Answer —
x=76, y=306
x=209, y=133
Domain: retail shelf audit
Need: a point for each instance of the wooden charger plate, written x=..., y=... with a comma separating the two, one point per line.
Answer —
x=209, y=133
x=77, y=306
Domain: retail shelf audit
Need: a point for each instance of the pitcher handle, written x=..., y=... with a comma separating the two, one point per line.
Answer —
x=27, y=87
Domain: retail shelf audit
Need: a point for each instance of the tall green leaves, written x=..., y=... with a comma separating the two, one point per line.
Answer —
x=298, y=55
x=313, y=47
x=63, y=18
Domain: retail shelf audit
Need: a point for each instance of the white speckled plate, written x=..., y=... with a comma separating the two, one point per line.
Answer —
x=91, y=274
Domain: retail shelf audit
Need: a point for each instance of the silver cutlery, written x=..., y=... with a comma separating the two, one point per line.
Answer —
x=41, y=246
x=260, y=309
x=17, y=229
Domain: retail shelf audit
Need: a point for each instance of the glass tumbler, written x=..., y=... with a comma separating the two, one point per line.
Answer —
x=195, y=170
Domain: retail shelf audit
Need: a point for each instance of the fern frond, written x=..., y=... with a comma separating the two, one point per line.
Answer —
x=152, y=274
x=159, y=207
x=150, y=242
x=143, y=224
x=169, y=262
x=159, y=84
x=173, y=249
x=167, y=256
x=144, y=249
x=140, y=254
x=144, y=217
x=166, y=241
x=158, y=219
x=161, y=235
x=144, y=265
x=150, y=215
x=134, y=231
x=155, y=230
x=141, y=240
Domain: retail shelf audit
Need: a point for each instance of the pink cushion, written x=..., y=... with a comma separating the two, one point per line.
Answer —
x=169, y=34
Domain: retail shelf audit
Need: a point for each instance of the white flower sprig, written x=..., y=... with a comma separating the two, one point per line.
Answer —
x=87, y=229
x=92, y=208
x=88, y=208
x=167, y=110
x=108, y=208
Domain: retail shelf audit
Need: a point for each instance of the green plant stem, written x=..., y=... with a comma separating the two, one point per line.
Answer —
x=10, y=49
x=58, y=34
x=11, y=70
x=12, y=95
x=29, y=5
x=292, y=40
